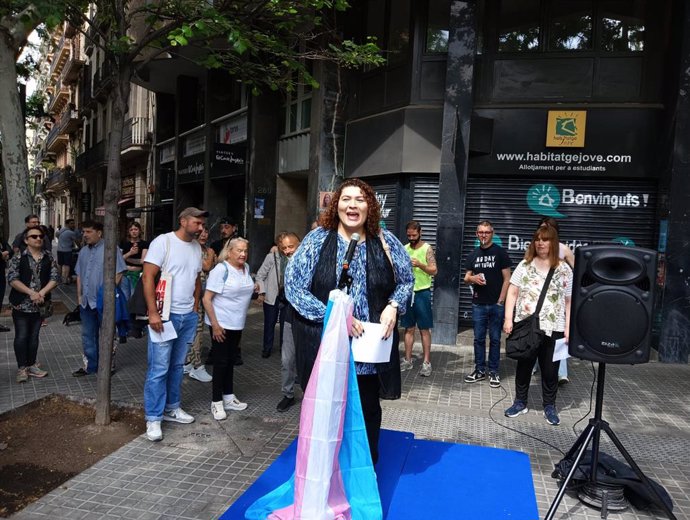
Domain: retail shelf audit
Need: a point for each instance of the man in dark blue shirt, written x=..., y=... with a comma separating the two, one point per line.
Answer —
x=488, y=273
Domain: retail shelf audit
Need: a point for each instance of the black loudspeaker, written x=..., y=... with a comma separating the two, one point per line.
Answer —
x=611, y=306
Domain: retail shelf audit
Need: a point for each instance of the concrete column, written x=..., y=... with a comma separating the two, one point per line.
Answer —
x=674, y=340
x=457, y=112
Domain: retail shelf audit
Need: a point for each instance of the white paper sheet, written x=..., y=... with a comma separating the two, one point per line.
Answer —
x=168, y=333
x=560, y=350
x=369, y=347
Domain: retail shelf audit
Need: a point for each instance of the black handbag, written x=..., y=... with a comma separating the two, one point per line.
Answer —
x=526, y=336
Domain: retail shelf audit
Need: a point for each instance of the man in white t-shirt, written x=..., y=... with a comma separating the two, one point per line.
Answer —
x=179, y=254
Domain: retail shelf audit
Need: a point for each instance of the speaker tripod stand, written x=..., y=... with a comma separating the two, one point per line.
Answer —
x=593, y=433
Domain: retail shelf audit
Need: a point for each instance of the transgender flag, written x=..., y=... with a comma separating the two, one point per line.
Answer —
x=334, y=477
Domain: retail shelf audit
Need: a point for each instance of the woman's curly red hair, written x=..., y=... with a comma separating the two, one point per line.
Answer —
x=329, y=218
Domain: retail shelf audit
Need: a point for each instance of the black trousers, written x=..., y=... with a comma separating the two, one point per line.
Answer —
x=224, y=354
x=371, y=409
x=27, y=327
x=548, y=368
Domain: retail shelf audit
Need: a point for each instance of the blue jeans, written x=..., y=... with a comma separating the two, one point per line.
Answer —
x=90, y=328
x=165, y=368
x=487, y=317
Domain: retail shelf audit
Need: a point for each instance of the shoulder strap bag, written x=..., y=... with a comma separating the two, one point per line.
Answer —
x=137, y=302
x=523, y=342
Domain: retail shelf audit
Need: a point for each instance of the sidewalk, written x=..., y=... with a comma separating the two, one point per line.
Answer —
x=199, y=469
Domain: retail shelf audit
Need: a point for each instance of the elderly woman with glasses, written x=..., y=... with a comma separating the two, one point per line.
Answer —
x=32, y=275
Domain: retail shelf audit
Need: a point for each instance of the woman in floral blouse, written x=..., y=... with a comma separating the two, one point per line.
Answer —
x=554, y=318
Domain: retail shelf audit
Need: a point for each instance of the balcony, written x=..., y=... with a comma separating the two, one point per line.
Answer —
x=86, y=100
x=58, y=98
x=56, y=140
x=136, y=139
x=60, y=57
x=91, y=159
x=103, y=82
x=293, y=153
x=69, y=120
x=58, y=179
x=75, y=62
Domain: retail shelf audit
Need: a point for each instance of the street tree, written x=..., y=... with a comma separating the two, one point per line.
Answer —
x=263, y=43
x=18, y=19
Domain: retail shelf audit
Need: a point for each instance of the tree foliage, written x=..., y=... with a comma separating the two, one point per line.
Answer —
x=262, y=43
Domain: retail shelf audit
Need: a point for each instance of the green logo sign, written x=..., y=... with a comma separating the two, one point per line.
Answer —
x=624, y=241
x=566, y=126
x=496, y=240
x=544, y=199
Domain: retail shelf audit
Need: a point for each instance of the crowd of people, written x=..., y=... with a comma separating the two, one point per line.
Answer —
x=188, y=287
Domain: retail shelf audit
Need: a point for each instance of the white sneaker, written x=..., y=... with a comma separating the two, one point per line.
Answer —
x=200, y=374
x=188, y=368
x=153, y=431
x=178, y=415
x=230, y=402
x=218, y=411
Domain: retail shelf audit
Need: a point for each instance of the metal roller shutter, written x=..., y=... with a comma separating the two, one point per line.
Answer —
x=588, y=211
x=425, y=205
x=387, y=194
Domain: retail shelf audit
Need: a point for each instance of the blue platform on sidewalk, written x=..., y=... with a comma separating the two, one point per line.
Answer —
x=421, y=479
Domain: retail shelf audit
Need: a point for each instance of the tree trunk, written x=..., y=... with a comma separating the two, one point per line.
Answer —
x=13, y=135
x=120, y=98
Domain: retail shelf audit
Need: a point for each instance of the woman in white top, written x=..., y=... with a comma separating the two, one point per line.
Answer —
x=526, y=285
x=229, y=289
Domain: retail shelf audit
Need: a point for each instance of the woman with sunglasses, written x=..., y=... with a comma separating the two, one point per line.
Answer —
x=32, y=275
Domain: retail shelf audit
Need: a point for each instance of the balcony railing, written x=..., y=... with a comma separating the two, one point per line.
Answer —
x=69, y=120
x=75, y=62
x=56, y=140
x=86, y=99
x=135, y=132
x=103, y=81
x=293, y=153
x=60, y=56
x=58, y=99
x=91, y=159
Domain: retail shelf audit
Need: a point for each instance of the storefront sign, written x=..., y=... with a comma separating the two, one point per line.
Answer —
x=228, y=160
x=566, y=128
x=166, y=153
x=127, y=186
x=194, y=144
x=620, y=143
x=190, y=169
x=233, y=131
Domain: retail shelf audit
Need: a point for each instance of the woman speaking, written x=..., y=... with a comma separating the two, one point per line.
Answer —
x=382, y=283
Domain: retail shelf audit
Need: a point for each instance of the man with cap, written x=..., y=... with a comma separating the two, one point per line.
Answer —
x=228, y=230
x=179, y=254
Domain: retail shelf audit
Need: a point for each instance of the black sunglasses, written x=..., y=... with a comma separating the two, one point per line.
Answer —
x=35, y=236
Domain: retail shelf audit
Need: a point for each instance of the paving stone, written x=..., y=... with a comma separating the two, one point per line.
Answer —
x=198, y=470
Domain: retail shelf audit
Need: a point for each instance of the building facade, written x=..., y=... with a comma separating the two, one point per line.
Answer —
x=507, y=110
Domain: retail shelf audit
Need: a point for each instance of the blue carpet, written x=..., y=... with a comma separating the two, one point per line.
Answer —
x=426, y=479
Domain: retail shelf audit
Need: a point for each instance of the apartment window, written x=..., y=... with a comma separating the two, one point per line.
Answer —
x=570, y=25
x=518, y=26
x=622, y=25
x=437, y=27
x=388, y=21
x=297, y=113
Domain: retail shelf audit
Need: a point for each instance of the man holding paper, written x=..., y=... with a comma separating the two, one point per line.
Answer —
x=176, y=256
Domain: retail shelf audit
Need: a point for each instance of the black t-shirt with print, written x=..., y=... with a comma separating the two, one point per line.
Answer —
x=490, y=261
